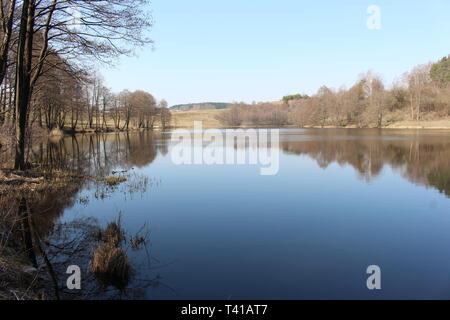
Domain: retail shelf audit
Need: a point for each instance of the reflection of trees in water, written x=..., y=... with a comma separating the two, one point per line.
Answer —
x=30, y=216
x=52, y=250
x=425, y=162
x=90, y=155
x=98, y=155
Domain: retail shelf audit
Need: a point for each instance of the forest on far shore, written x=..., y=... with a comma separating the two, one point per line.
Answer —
x=421, y=94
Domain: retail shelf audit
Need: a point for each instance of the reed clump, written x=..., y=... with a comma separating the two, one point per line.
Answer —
x=110, y=262
x=113, y=234
x=111, y=265
x=114, y=181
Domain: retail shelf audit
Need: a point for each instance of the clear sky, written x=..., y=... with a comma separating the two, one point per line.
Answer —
x=245, y=50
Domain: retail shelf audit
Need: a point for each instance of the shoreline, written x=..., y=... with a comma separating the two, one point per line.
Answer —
x=390, y=127
x=69, y=132
x=209, y=119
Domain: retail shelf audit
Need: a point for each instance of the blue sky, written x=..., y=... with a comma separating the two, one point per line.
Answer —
x=244, y=50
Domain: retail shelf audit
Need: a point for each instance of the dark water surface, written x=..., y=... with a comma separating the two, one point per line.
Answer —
x=342, y=200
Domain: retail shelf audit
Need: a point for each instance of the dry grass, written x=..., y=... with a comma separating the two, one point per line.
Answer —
x=113, y=181
x=15, y=282
x=430, y=124
x=10, y=178
x=110, y=262
x=137, y=242
x=111, y=265
x=185, y=119
x=113, y=234
x=31, y=182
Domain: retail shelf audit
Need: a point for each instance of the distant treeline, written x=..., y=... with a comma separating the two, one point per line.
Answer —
x=421, y=94
x=291, y=97
x=200, y=106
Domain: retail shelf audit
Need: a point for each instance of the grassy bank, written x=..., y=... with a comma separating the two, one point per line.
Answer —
x=431, y=124
x=185, y=119
x=19, y=280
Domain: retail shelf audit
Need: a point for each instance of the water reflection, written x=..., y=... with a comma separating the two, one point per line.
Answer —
x=30, y=217
x=85, y=155
x=100, y=154
x=422, y=158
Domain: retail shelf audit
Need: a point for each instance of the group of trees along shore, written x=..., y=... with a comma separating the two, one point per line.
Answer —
x=48, y=49
x=421, y=94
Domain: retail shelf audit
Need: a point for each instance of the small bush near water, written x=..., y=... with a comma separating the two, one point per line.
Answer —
x=111, y=265
x=110, y=262
x=113, y=234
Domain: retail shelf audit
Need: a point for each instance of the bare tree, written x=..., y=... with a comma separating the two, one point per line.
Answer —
x=126, y=108
x=374, y=93
x=97, y=29
x=143, y=105
x=418, y=80
x=325, y=100
x=232, y=116
x=7, y=11
x=165, y=117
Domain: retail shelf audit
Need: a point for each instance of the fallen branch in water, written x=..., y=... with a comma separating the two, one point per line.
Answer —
x=18, y=178
x=14, y=179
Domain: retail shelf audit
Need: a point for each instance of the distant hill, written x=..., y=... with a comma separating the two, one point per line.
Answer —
x=200, y=106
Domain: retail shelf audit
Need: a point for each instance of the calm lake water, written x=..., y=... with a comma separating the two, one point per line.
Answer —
x=342, y=200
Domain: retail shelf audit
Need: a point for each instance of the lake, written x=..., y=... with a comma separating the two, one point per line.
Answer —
x=342, y=200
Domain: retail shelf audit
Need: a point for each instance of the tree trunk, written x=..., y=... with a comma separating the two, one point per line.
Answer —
x=7, y=33
x=24, y=56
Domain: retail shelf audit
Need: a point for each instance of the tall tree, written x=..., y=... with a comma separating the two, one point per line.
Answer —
x=418, y=80
x=7, y=11
x=77, y=30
